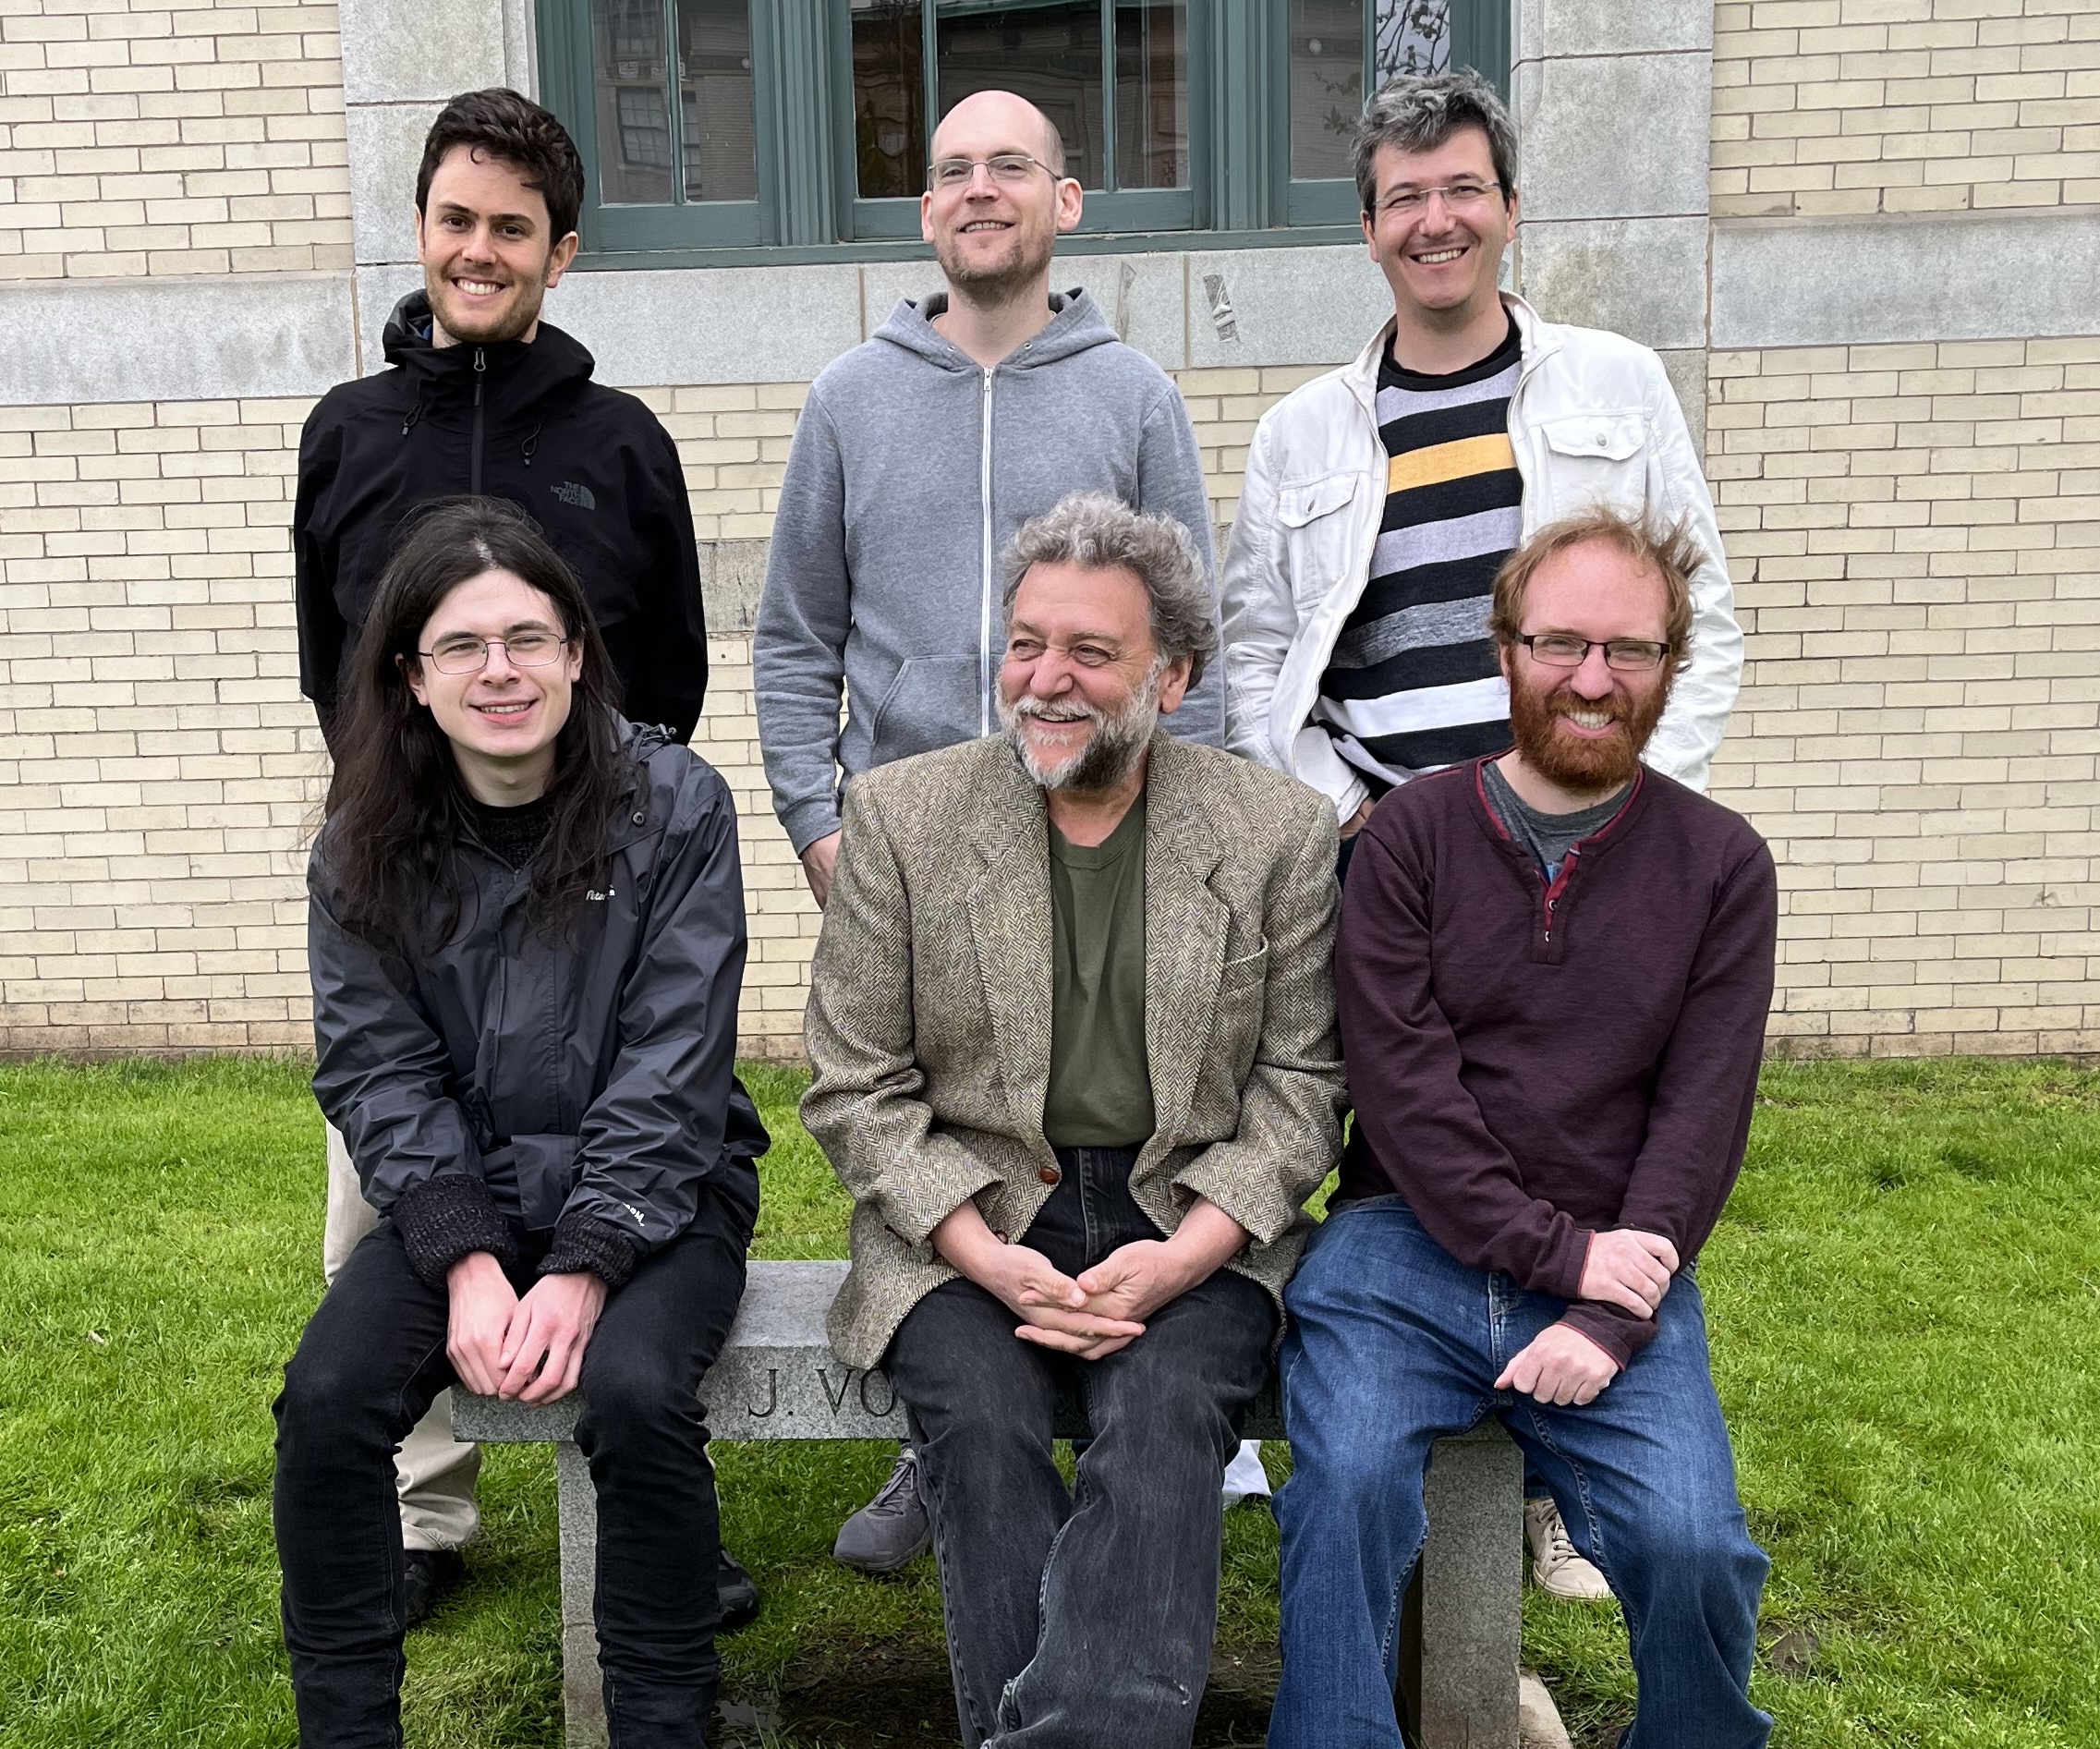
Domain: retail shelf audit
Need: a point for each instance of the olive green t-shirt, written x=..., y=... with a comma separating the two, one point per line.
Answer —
x=1101, y=1086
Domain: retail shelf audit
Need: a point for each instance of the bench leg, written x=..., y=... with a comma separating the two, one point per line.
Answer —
x=583, y=1697
x=1462, y=1631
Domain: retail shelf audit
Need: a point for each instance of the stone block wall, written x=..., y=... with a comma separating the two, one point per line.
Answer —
x=1854, y=107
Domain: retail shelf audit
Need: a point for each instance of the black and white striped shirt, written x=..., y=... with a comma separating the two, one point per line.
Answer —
x=1413, y=682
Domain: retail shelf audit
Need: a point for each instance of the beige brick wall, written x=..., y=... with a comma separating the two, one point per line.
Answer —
x=1855, y=106
x=159, y=773
x=170, y=137
x=1914, y=532
x=156, y=762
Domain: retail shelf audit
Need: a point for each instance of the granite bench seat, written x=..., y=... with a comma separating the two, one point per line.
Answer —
x=777, y=1379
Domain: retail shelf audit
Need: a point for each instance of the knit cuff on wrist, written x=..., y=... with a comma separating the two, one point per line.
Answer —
x=446, y=1218
x=582, y=1244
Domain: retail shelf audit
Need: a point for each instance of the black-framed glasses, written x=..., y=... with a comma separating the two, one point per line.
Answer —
x=1562, y=650
x=1008, y=167
x=470, y=655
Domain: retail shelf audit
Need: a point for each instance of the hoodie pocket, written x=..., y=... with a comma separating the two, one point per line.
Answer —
x=933, y=703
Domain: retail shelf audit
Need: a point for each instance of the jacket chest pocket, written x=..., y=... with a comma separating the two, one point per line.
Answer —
x=1243, y=989
x=1318, y=533
x=1596, y=459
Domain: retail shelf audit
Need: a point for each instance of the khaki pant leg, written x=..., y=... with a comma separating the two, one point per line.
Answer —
x=434, y=1475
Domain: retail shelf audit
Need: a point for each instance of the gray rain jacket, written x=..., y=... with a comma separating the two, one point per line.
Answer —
x=579, y=1082
x=911, y=469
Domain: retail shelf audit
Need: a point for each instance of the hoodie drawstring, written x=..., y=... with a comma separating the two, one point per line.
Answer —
x=531, y=441
x=415, y=409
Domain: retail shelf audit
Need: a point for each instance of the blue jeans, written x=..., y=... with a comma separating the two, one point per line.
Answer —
x=1393, y=1343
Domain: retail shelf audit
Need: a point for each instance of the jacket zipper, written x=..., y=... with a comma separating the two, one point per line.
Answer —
x=474, y=455
x=984, y=608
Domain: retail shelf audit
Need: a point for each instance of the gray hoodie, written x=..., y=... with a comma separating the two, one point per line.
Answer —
x=912, y=467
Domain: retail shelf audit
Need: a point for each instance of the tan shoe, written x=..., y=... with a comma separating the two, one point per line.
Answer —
x=1555, y=1568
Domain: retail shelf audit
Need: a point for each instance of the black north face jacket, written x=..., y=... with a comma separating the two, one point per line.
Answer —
x=590, y=465
x=578, y=1082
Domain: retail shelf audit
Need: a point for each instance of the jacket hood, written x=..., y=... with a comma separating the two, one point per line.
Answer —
x=527, y=370
x=1076, y=325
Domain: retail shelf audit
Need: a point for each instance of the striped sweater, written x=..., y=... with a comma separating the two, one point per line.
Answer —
x=1414, y=684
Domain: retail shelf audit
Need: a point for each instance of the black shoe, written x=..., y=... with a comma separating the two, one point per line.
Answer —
x=739, y=1594
x=431, y=1574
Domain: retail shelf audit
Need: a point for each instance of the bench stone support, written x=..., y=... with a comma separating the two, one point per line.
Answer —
x=1462, y=1629
x=777, y=1379
x=583, y=1696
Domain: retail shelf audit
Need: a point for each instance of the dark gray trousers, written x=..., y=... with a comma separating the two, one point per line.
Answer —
x=1082, y=1617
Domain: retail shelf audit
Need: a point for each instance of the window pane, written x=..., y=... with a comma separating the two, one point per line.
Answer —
x=888, y=98
x=1410, y=36
x=1151, y=96
x=715, y=97
x=1047, y=51
x=1327, y=84
x=634, y=123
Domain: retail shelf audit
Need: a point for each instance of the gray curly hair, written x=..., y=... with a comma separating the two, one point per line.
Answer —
x=1419, y=112
x=1097, y=530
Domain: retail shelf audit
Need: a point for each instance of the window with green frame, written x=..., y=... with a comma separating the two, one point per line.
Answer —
x=717, y=128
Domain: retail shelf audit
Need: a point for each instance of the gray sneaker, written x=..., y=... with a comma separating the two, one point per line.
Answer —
x=891, y=1530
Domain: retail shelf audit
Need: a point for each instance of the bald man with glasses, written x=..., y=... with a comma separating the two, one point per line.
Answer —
x=918, y=458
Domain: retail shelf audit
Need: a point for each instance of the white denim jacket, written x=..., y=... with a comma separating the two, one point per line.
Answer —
x=1594, y=419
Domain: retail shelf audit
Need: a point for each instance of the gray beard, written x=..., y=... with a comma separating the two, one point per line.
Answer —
x=1118, y=742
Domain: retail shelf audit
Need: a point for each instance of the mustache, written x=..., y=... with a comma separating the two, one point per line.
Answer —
x=1064, y=710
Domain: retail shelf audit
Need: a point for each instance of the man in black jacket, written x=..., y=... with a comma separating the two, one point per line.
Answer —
x=484, y=397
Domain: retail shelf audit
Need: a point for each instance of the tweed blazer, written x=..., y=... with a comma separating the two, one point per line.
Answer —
x=929, y=1023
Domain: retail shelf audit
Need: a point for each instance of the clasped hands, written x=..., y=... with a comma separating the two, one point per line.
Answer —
x=1103, y=1308
x=1099, y=1310
x=1628, y=1268
x=529, y=1348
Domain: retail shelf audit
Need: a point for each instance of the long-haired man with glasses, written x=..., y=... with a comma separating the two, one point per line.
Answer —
x=1552, y=975
x=918, y=458
x=1380, y=498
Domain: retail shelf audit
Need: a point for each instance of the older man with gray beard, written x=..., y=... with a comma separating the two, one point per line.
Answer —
x=1071, y=1019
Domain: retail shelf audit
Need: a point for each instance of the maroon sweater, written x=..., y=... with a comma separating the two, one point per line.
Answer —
x=1532, y=1064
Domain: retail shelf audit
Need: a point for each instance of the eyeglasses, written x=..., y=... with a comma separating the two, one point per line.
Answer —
x=1007, y=167
x=470, y=655
x=1557, y=649
x=1406, y=203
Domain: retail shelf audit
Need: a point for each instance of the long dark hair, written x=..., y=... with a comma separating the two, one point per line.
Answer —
x=395, y=805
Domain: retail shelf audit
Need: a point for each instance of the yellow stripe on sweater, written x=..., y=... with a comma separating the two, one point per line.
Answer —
x=1440, y=462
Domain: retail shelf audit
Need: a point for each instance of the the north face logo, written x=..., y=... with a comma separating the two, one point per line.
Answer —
x=569, y=493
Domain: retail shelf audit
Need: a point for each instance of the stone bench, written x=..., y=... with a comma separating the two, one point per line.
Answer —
x=776, y=1380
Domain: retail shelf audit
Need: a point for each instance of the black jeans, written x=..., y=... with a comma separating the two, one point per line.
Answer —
x=367, y=1368
x=1081, y=1618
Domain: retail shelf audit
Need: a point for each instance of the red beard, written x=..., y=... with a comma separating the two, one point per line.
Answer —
x=1583, y=762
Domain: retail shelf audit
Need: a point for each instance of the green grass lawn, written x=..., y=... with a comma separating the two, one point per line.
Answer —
x=1904, y=1299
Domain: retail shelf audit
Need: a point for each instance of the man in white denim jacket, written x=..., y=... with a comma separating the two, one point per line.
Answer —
x=1353, y=695
x=1381, y=498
